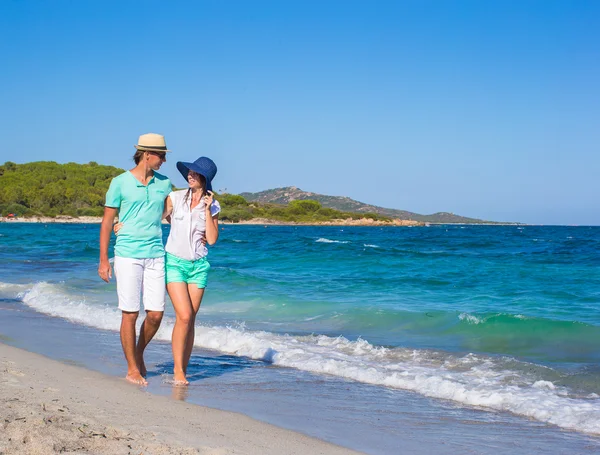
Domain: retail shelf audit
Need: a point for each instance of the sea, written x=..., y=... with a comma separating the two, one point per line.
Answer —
x=431, y=339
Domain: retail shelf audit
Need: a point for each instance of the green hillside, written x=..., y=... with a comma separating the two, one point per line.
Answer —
x=46, y=188
x=235, y=208
x=287, y=194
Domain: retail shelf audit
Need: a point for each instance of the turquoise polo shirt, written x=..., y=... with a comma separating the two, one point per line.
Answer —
x=140, y=211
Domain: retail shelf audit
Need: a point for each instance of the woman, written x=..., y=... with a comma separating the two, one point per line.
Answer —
x=194, y=216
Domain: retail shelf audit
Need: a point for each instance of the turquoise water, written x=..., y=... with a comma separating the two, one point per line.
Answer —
x=506, y=318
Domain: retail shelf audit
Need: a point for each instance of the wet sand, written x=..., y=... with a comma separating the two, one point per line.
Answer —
x=49, y=407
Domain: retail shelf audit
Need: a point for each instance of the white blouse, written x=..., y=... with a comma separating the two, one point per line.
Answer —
x=188, y=227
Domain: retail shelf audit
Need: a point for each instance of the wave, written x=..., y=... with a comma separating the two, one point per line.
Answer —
x=539, y=338
x=324, y=240
x=497, y=383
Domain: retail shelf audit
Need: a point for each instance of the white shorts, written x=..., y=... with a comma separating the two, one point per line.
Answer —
x=138, y=278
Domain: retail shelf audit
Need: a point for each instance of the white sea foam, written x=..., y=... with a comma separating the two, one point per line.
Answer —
x=12, y=289
x=470, y=318
x=53, y=300
x=470, y=379
x=324, y=240
x=366, y=245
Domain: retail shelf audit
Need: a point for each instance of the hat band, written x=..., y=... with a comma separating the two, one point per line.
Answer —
x=153, y=147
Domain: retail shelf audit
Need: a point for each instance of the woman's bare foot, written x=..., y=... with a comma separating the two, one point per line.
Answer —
x=180, y=379
x=136, y=378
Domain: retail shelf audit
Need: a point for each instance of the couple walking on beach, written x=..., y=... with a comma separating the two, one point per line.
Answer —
x=142, y=198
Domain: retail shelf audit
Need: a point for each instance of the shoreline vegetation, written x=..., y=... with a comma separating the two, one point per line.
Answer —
x=49, y=192
x=63, y=219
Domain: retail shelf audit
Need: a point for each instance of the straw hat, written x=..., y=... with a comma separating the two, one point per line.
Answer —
x=152, y=142
x=203, y=166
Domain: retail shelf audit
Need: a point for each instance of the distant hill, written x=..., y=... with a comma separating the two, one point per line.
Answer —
x=345, y=204
x=47, y=188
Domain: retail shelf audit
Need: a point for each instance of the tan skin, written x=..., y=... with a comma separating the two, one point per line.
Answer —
x=134, y=353
x=187, y=298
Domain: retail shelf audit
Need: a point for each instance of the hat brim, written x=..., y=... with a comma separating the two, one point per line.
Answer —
x=184, y=168
x=141, y=148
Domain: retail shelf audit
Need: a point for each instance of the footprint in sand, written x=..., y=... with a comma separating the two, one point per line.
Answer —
x=14, y=372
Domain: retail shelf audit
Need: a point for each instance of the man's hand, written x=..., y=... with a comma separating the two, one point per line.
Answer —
x=104, y=271
x=108, y=219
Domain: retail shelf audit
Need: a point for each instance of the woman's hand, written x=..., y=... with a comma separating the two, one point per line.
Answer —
x=117, y=227
x=208, y=199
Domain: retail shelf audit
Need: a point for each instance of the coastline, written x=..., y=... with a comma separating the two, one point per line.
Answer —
x=254, y=221
x=50, y=407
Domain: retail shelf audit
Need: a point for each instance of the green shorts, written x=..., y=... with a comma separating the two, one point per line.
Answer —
x=183, y=271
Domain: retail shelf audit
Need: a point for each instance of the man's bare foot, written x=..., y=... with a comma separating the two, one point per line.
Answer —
x=136, y=378
x=141, y=365
x=180, y=379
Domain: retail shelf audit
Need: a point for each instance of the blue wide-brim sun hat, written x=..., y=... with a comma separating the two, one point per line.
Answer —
x=203, y=166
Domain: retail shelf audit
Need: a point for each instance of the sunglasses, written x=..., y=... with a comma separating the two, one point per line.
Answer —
x=161, y=155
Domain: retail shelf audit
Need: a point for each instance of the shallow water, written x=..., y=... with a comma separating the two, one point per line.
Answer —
x=503, y=318
x=373, y=419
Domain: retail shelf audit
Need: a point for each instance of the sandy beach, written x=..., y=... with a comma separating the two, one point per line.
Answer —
x=51, y=407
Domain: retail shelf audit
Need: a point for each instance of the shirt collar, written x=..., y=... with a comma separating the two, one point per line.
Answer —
x=140, y=184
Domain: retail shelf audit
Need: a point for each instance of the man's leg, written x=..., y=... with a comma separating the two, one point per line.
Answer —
x=129, y=273
x=128, y=320
x=154, y=294
x=147, y=331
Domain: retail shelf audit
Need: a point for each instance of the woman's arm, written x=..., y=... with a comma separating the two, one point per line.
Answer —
x=212, y=222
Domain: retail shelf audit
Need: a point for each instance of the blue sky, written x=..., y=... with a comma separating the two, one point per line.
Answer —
x=489, y=109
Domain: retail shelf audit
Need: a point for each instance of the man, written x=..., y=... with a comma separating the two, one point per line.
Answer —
x=138, y=197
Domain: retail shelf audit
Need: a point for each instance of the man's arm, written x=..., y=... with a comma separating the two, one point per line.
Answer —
x=168, y=208
x=108, y=219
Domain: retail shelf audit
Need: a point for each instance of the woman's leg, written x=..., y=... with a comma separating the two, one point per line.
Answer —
x=196, y=295
x=183, y=318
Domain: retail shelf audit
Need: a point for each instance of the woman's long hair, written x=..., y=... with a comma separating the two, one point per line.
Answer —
x=188, y=193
